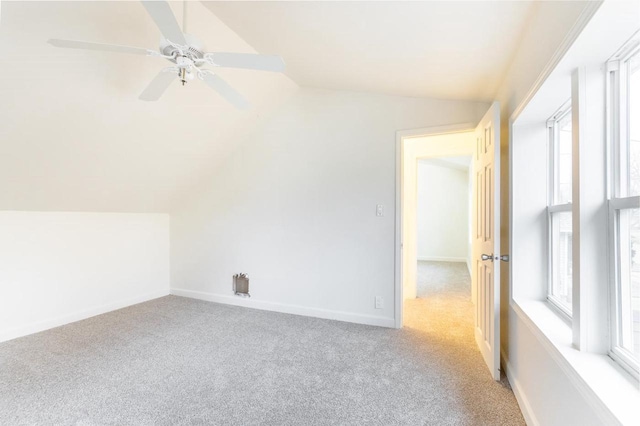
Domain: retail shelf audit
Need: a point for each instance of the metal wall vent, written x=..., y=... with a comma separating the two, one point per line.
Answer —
x=241, y=285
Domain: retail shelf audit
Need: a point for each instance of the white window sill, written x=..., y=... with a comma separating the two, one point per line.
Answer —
x=612, y=391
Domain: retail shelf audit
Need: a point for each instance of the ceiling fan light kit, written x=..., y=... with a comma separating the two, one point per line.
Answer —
x=187, y=54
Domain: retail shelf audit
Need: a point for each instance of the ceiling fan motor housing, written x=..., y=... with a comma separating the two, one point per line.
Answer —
x=194, y=49
x=184, y=62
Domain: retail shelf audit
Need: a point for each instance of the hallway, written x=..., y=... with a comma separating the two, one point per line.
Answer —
x=436, y=278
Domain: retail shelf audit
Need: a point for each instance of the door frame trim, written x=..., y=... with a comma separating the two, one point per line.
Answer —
x=401, y=135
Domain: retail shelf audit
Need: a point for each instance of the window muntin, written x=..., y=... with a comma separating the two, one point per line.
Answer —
x=560, y=288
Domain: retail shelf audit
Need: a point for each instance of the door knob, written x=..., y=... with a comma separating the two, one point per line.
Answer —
x=487, y=257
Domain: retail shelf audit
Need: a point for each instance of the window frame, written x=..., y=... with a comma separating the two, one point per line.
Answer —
x=553, y=207
x=617, y=122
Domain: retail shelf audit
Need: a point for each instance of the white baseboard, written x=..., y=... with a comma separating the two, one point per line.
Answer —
x=285, y=308
x=43, y=325
x=442, y=259
x=527, y=412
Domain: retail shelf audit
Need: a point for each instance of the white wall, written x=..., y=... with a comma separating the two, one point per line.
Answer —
x=546, y=394
x=295, y=207
x=442, y=212
x=57, y=268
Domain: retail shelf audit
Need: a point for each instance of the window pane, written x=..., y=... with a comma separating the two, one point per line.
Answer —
x=634, y=126
x=562, y=259
x=629, y=295
x=563, y=180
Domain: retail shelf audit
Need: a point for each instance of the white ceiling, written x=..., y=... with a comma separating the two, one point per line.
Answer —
x=74, y=136
x=453, y=50
x=462, y=162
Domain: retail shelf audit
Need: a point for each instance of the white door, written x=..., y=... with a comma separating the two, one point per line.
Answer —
x=486, y=239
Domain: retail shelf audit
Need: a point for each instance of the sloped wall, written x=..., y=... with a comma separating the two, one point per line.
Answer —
x=57, y=267
x=73, y=134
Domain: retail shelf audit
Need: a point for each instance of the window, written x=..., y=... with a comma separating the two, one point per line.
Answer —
x=560, y=289
x=624, y=205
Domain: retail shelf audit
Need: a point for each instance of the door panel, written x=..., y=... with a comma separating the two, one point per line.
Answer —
x=476, y=228
x=487, y=239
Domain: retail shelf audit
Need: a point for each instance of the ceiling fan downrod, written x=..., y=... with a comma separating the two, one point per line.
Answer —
x=185, y=66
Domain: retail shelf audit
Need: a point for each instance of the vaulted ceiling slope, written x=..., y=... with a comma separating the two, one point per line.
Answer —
x=439, y=49
x=75, y=137
x=73, y=134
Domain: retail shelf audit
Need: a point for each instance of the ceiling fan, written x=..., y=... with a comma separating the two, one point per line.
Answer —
x=186, y=53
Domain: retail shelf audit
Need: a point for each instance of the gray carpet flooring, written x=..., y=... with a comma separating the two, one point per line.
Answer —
x=187, y=362
x=438, y=278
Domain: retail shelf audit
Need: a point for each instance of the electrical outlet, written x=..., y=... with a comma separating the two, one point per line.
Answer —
x=379, y=302
x=379, y=210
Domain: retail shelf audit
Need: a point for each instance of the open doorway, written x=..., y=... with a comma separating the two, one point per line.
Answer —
x=436, y=200
x=419, y=150
x=482, y=310
x=443, y=226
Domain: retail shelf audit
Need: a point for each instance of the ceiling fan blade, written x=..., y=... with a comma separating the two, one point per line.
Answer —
x=248, y=61
x=226, y=91
x=72, y=44
x=161, y=13
x=158, y=85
